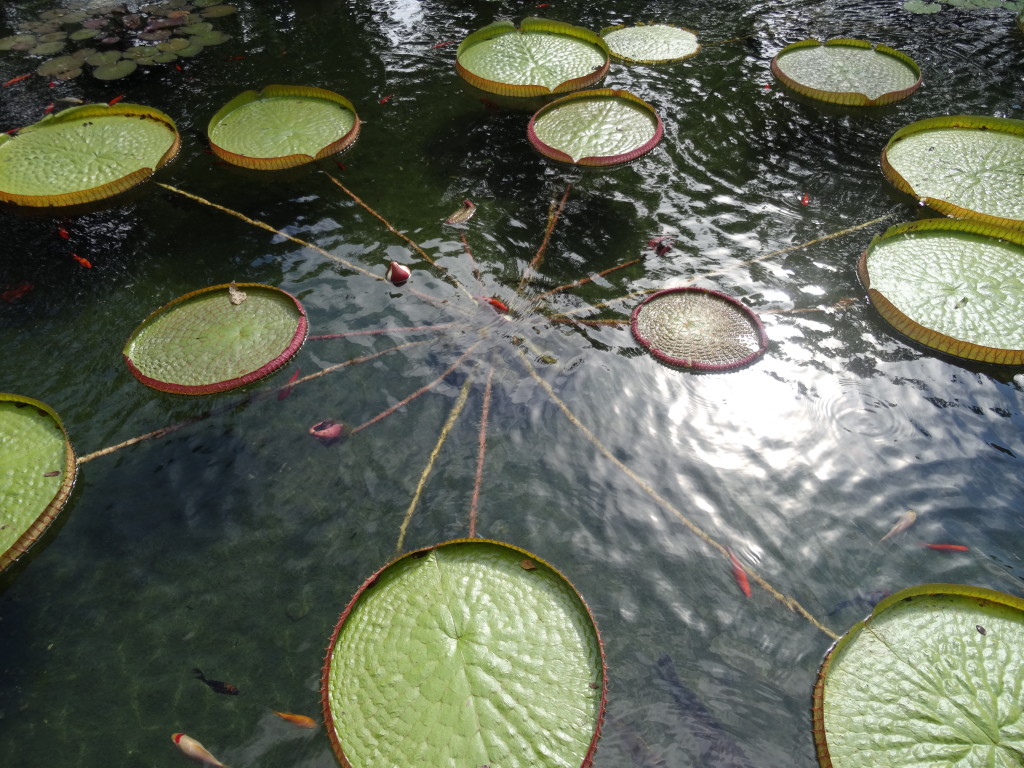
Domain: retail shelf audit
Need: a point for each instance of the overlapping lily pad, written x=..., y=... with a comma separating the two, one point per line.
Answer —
x=469, y=653
x=846, y=71
x=955, y=285
x=38, y=467
x=967, y=166
x=932, y=678
x=84, y=154
x=282, y=126
x=651, y=43
x=698, y=329
x=539, y=58
x=216, y=339
x=601, y=127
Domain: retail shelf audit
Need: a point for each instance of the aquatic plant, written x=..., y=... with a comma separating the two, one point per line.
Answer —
x=650, y=43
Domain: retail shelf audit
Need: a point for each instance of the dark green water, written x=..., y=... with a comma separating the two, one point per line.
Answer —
x=234, y=543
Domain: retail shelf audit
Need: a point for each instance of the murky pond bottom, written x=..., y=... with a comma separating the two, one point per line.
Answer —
x=232, y=542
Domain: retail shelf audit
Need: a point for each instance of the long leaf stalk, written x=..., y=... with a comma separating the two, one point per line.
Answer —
x=538, y=257
x=478, y=479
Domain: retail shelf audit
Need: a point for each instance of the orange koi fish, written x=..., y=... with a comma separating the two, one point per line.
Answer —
x=302, y=721
x=386, y=99
x=63, y=233
x=442, y=44
x=17, y=79
x=948, y=547
x=499, y=306
x=83, y=262
x=49, y=108
x=902, y=524
x=195, y=750
x=740, y=575
x=114, y=100
x=11, y=295
x=286, y=390
x=805, y=199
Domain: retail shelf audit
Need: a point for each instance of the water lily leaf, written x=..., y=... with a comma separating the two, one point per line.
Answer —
x=47, y=49
x=541, y=57
x=458, y=655
x=651, y=43
x=215, y=11
x=196, y=29
x=58, y=66
x=931, y=678
x=207, y=341
x=84, y=34
x=214, y=37
x=191, y=49
x=961, y=165
x=84, y=154
x=117, y=70
x=845, y=71
x=698, y=329
x=39, y=468
x=103, y=59
x=596, y=128
x=17, y=42
x=954, y=285
x=282, y=126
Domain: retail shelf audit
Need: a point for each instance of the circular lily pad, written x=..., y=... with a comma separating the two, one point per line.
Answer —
x=699, y=329
x=539, y=58
x=965, y=166
x=38, y=467
x=845, y=71
x=282, y=126
x=932, y=678
x=650, y=43
x=216, y=339
x=469, y=653
x=84, y=154
x=115, y=70
x=954, y=285
x=595, y=128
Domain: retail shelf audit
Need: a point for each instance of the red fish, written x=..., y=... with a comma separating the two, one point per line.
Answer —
x=285, y=391
x=195, y=750
x=17, y=79
x=48, y=108
x=661, y=244
x=215, y=685
x=300, y=720
x=83, y=262
x=11, y=295
x=805, y=199
x=740, y=575
x=235, y=58
x=114, y=100
x=386, y=99
x=443, y=44
x=499, y=306
x=948, y=547
x=63, y=233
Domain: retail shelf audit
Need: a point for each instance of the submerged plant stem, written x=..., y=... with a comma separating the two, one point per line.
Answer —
x=552, y=221
x=585, y=280
x=479, y=478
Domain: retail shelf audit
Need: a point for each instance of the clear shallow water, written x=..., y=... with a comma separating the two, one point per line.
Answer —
x=233, y=543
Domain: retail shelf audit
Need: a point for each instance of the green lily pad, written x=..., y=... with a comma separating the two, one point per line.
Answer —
x=954, y=285
x=932, y=678
x=595, y=128
x=17, y=42
x=39, y=468
x=539, y=58
x=845, y=71
x=698, y=329
x=116, y=70
x=650, y=43
x=58, y=66
x=216, y=339
x=84, y=154
x=215, y=37
x=104, y=58
x=47, y=49
x=966, y=166
x=282, y=126
x=469, y=653
x=214, y=11
x=84, y=34
x=195, y=29
x=191, y=49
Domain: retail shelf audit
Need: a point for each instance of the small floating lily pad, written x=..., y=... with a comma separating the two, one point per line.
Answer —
x=469, y=653
x=954, y=285
x=846, y=71
x=932, y=678
x=967, y=166
x=215, y=11
x=539, y=58
x=84, y=154
x=282, y=126
x=115, y=70
x=651, y=43
x=698, y=329
x=216, y=339
x=595, y=128
x=38, y=467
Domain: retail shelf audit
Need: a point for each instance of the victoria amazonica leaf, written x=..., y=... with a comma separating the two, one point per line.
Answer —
x=651, y=43
x=962, y=165
x=84, y=154
x=954, y=285
x=38, y=468
x=932, y=678
x=847, y=71
x=469, y=653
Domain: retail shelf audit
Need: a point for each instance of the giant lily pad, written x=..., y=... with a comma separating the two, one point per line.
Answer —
x=700, y=329
x=84, y=154
x=845, y=71
x=650, y=43
x=469, y=653
x=216, y=339
x=38, y=467
x=539, y=58
x=954, y=285
x=932, y=678
x=966, y=166
x=596, y=128
x=282, y=126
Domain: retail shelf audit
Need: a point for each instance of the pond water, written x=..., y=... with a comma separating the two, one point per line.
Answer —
x=233, y=543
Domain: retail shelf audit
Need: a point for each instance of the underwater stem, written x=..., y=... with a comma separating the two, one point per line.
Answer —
x=478, y=480
x=552, y=220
